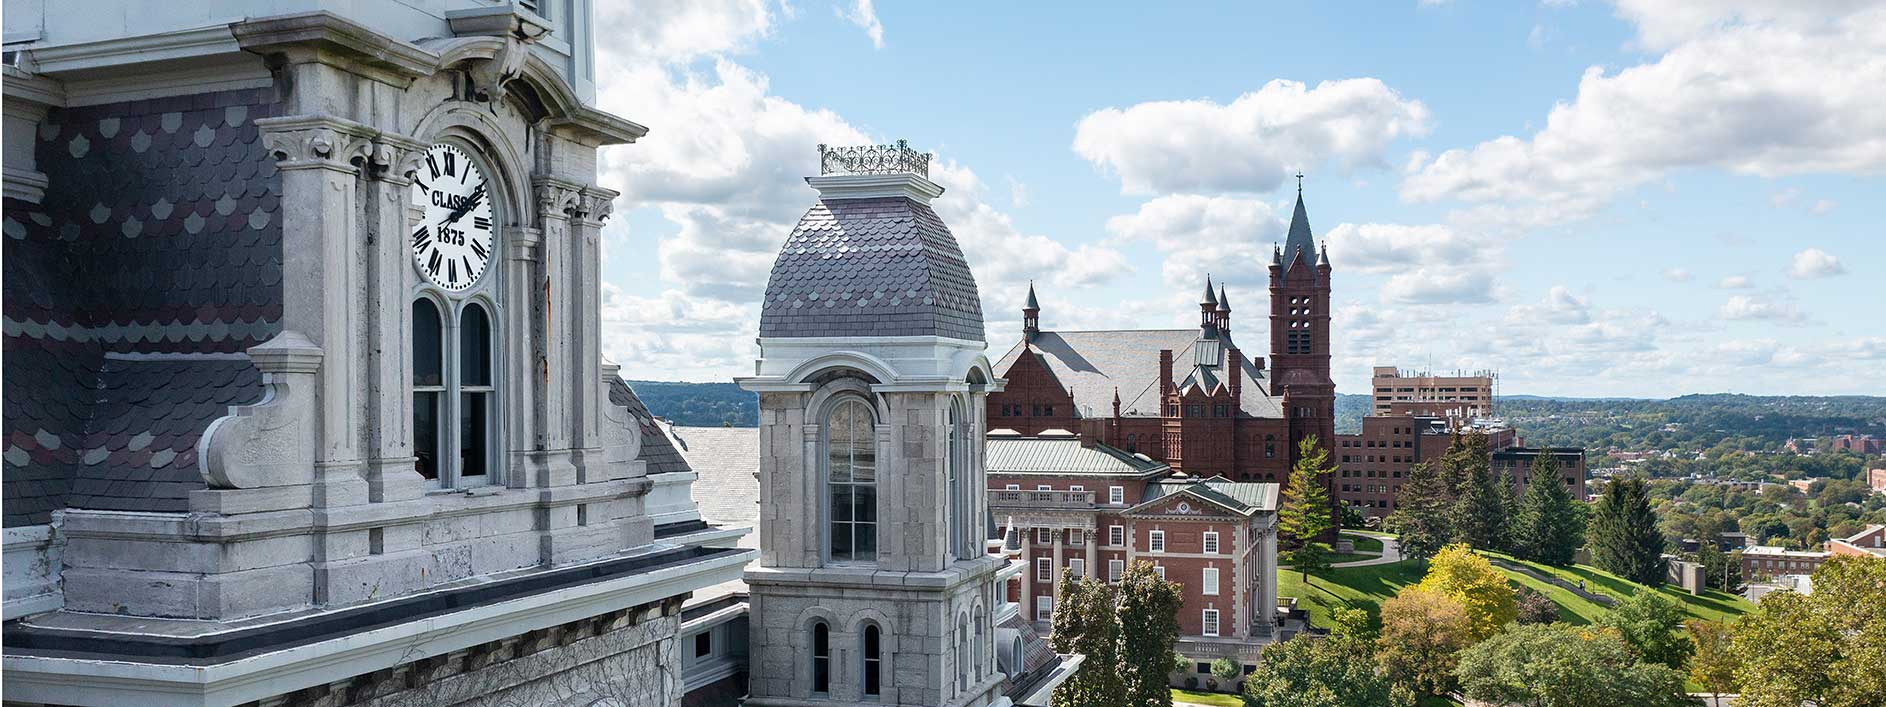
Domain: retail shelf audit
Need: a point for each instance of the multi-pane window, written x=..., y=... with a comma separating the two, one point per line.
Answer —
x=1115, y=568
x=1210, y=580
x=1160, y=570
x=851, y=481
x=1076, y=536
x=1156, y=541
x=962, y=486
x=1044, y=608
x=873, y=661
x=1211, y=542
x=1116, y=535
x=1044, y=571
x=1078, y=567
x=821, y=658
x=1211, y=622
x=454, y=390
x=1116, y=495
x=1043, y=536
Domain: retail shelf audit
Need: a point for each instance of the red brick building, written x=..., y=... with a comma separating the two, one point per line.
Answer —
x=1081, y=505
x=1372, y=463
x=1859, y=444
x=1190, y=398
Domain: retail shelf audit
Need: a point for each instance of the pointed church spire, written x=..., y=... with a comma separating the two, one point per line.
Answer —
x=1299, y=242
x=1031, y=316
x=1210, y=298
x=1032, y=303
x=1322, y=256
x=1224, y=302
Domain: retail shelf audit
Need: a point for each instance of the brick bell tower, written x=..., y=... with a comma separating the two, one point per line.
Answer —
x=1299, y=335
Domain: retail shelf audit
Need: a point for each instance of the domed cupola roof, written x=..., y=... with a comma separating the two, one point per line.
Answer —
x=871, y=258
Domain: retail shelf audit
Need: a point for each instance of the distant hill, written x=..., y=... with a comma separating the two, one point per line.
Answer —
x=699, y=404
x=1690, y=422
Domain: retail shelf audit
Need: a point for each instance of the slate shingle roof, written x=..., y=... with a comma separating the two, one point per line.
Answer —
x=1025, y=455
x=159, y=233
x=1244, y=497
x=726, y=459
x=1092, y=364
x=660, y=454
x=871, y=267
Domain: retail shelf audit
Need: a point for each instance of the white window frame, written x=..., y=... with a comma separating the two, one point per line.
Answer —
x=451, y=392
x=1043, y=487
x=1116, y=535
x=1044, y=569
x=1077, y=488
x=1160, y=570
x=1013, y=487
x=1076, y=536
x=1208, y=620
x=1043, y=536
x=1156, y=541
x=1044, y=608
x=1115, y=568
x=1211, y=542
x=1209, y=581
x=1077, y=566
x=1116, y=495
x=828, y=523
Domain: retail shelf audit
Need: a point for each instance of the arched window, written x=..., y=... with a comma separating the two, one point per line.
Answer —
x=454, y=421
x=851, y=481
x=962, y=503
x=428, y=386
x=873, y=661
x=821, y=658
x=962, y=653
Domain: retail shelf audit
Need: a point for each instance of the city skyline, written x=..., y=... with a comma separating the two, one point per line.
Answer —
x=1522, y=188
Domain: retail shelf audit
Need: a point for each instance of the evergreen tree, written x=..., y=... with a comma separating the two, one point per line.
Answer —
x=1085, y=623
x=1623, y=533
x=1305, y=515
x=1478, y=518
x=1421, y=512
x=1149, y=629
x=1546, y=527
x=1507, y=486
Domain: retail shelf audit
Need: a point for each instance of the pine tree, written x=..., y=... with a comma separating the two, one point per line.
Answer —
x=1305, y=515
x=1479, y=519
x=1085, y=623
x=1421, y=512
x=1623, y=533
x=1149, y=629
x=1546, y=527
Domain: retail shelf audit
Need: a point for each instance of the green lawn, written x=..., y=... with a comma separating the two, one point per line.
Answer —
x=1711, y=605
x=1216, y=699
x=1364, y=544
x=1367, y=587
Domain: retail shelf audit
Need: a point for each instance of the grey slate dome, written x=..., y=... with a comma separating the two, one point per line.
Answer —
x=872, y=259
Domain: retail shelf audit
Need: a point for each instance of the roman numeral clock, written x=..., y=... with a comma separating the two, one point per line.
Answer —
x=452, y=244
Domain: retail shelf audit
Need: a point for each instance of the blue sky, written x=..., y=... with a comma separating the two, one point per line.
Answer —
x=1640, y=198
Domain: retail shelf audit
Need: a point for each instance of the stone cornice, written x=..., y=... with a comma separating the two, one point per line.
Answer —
x=316, y=141
x=102, y=55
x=307, y=36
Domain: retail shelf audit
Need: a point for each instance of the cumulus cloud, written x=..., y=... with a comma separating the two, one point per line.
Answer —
x=1814, y=263
x=865, y=17
x=1726, y=92
x=1822, y=206
x=1426, y=263
x=673, y=31
x=1736, y=282
x=1766, y=308
x=1239, y=231
x=1677, y=275
x=1252, y=143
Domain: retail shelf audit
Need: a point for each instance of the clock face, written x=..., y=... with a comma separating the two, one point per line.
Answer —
x=453, y=242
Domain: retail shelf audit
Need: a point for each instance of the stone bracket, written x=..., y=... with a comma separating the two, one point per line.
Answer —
x=269, y=443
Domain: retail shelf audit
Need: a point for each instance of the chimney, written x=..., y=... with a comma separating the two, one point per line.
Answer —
x=1165, y=374
x=1235, y=360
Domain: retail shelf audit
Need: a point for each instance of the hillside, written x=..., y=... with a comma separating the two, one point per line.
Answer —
x=700, y=404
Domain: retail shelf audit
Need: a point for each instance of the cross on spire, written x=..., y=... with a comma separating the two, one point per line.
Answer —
x=1299, y=181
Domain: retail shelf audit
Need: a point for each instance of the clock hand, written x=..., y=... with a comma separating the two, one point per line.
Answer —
x=477, y=196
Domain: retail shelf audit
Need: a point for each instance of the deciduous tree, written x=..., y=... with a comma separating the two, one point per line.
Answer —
x=1085, y=623
x=1423, y=633
x=1149, y=628
x=1554, y=665
x=1338, y=671
x=1623, y=533
x=1712, y=665
x=1469, y=579
x=1535, y=607
x=1648, y=622
x=1827, y=649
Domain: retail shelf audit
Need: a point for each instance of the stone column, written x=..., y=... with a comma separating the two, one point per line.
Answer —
x=1093, y=552
x=1267, y=577
x=558, y=200
x=1028, y=574
x=1054, y=567
x=1240, y=569
x=585, y=320
x=391, y=475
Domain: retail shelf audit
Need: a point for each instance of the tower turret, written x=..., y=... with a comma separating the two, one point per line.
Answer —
x=1031, y=316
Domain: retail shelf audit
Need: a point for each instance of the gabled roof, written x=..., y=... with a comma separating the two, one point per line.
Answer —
x=1093, y=364
x=727, y=459
x=1006, y=454
x=660, y=453
x=1244, y=498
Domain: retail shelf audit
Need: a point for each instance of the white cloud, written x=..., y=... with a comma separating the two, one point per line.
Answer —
x=1822, y=206
x=1017, y=193
x=1426, y=264
x=1005, y=259
x=673, y=31
x=1736, y=282
x=1731, y=90
x=1814, y=263
x=1677, y=275
x=1239, y=231
x=1251, y=144
x=1761, y=308
x=865, y=16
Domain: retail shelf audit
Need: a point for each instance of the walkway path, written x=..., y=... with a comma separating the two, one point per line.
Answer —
x=1391, y=552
